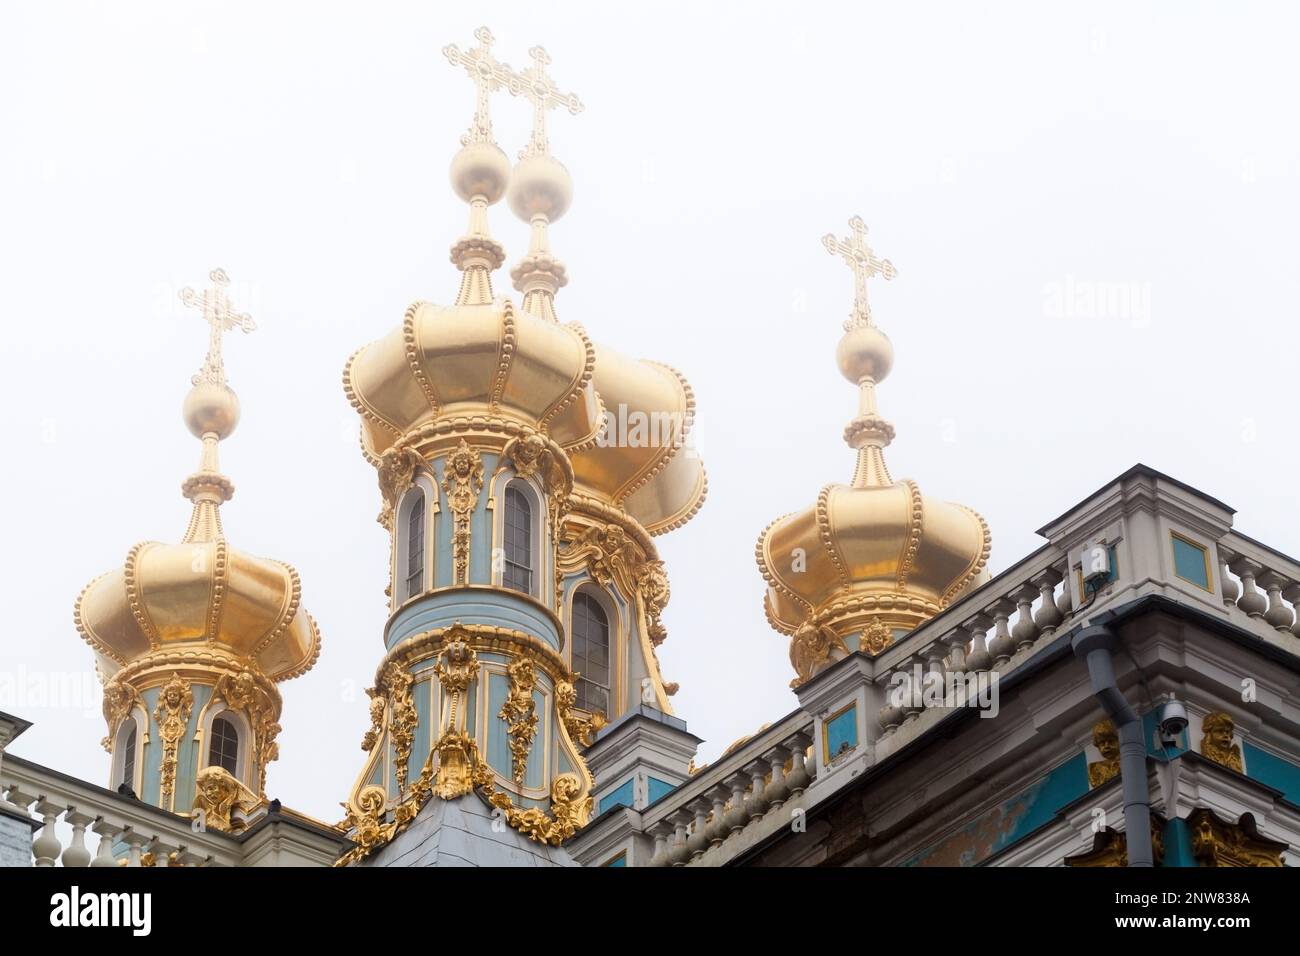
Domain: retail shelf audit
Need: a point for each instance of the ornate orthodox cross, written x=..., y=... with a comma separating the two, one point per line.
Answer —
x=220, y=318
x=541, y=89
x=488, y=76
x=864, y=263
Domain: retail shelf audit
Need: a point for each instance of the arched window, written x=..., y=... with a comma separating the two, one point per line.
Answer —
x=415, y=547
x=127, y=744
x=224, y=749
x=518, y=541
x=590, y=636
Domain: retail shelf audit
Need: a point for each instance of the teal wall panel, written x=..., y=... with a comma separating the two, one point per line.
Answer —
x=1273, y=771
x=1012, y=820
x=656, y=788
x=495, y=608
x=620, y=797
x=498, y=742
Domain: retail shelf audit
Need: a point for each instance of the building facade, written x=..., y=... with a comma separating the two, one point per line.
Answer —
x=1125, y=695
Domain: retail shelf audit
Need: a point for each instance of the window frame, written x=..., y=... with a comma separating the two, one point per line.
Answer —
x=243, y=754
x=136, y=721
x=611, y=649
x=524, y=491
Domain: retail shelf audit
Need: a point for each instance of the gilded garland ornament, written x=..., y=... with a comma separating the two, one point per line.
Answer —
x=241, y=692
x=377, y=709
x=520, y=714
x=609, y=553
x=119, y=700
x=172, y=716
x=1110, y=848
x=396, y=473
x=268, y=748
x=462, y=483
x=652, y=585
x=578, y=725
x=404, y=720
x=456, y=749
x=1216, y=842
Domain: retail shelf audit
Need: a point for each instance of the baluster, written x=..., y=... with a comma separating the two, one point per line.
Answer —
x=777, y=791
x=76, y=853
x=1026, y=631
x=679, y=854
x=756, y=805
x=914, y=701
x=661, y=832
x=47, y=846
x=1278, y=614
x=891, y=715
x=979, y=658
x=1230, y=589
x=1002, y=646
x=107, y=834
x=718, y=829
x=737, y=816
x=798, y=778
x=134, y=842
x=698, y=841
x=1048, y=616
x=1064, y=603
x=1292, y=594
x=161, y=852
x=957, y=641
x=933, y=674
x=1251, y=601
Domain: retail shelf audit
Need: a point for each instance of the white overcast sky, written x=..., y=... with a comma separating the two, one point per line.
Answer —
x=1007, y=157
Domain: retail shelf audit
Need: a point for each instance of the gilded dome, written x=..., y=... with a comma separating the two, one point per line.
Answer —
x=469, y=360
x=876, y=557
x=641, y=458
x=200, y=596
x=884, y=552
x=201, y=601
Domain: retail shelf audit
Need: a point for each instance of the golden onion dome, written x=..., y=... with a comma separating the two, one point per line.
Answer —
x=641, y=459
x=200, y=596
x=201, y=600
x=876, y=557
x=474, y=359
x=624, y=423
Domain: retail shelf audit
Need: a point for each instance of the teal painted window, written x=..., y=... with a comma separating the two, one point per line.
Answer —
x=620, y=797
x=1191, y=563
x=620, y=860
x=657, y=788
x=841, y=732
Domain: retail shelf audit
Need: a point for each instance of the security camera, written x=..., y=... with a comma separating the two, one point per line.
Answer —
x=1173, y=720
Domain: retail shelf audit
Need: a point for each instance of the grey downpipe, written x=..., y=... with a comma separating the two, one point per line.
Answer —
x=1093, y=645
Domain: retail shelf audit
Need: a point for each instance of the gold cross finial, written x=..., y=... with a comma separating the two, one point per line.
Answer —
x=864, y=263
x=220, y=318
x=541, y=89
x=487, y=74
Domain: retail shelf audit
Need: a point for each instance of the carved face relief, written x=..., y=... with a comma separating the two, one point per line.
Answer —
x=1106, y=740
